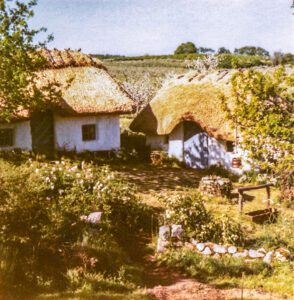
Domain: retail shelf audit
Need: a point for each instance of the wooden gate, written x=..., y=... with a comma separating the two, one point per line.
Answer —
x=42, y=131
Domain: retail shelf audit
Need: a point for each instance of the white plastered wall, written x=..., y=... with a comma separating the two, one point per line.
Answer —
x=22, y=138
x=68, y=133
x=176, y=143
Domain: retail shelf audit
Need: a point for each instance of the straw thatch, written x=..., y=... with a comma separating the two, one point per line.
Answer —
x=68, y=58
x=189, y=97
x=84, y=83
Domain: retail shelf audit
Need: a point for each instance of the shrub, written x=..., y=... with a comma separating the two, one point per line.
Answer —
x=40, y=218
x=190, y=212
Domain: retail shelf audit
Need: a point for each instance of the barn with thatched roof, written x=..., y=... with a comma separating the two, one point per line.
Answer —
x=185, y=119
x=87, y=116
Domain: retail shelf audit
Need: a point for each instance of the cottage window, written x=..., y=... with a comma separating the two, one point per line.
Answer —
x=230, y=146
x=6, y=137
x=89, y=132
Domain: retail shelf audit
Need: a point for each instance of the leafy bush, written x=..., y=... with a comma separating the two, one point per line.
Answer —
x=190, y=212
x=41, y=228
x=229, y=61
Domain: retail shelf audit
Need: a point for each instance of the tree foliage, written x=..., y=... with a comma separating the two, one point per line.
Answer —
x=186, y=48
x=251, y=50
x=19, y=60
x=223, y=50
x=204, y=50
x=262, y=109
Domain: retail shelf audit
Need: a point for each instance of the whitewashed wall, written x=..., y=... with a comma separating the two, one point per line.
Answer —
x=156, y=142
x=176, y=143
x=22, y=138
x=202, y=151
x=68, y=133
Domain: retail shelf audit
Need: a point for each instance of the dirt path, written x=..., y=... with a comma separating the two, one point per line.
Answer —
x=163, y=284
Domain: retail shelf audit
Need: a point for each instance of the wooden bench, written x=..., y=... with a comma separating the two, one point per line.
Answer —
x=250, y=188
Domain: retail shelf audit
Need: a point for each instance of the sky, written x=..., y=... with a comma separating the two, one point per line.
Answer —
x=139, y=27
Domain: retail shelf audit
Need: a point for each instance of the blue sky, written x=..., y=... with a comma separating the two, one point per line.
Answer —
x=137, y=27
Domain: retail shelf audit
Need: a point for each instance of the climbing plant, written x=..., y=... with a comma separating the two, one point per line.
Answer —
x=261, y=105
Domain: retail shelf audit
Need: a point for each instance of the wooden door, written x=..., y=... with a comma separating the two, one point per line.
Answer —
x=42, y=131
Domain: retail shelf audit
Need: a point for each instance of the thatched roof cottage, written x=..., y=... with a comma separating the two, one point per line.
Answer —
x=87, y=117
x=185, y=119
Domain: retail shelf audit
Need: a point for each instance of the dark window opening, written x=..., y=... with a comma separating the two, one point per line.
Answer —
x=166, y=139
x=6, y=137
x=230, y=146
x=89, y=132
x=191, y=129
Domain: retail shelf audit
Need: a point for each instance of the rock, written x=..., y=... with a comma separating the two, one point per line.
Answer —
x=161, y=245
x=255, y=254
x=194, y=242
x=232, y=249
x=286, y=253
x=177, y=231
x=209, y=245
x=164, y=233
x=280, y=257
x=189, y=246
x=219, y=249
x=261, y=250
x=200, y=246
x=178, y=244
x=268, y=257
x=94, y=218
x=207, y=251
x=241, y=254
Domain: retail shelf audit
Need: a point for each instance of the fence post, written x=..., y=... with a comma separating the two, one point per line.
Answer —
x=268, y=193
x=240, y=202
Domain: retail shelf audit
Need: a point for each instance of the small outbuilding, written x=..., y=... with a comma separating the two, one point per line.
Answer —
x=185, y=119
x=87, y=117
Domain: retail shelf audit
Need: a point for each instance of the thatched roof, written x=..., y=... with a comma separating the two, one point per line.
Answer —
x=85, y=85
x=69, y=58
x=189, y=97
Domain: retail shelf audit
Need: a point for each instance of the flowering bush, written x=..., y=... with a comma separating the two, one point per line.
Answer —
x=41, y=205
x=190, y=212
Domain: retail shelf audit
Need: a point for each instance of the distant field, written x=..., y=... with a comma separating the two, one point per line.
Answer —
x=128, y=68
x=135, y=69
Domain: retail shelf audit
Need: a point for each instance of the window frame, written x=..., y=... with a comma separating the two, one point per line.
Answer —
x=89, y=132
x=7, y=141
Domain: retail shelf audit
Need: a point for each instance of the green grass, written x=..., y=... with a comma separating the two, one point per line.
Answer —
x=229, y=272
x=89, y=295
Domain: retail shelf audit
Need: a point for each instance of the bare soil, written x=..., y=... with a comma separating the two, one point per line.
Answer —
x=168, y=285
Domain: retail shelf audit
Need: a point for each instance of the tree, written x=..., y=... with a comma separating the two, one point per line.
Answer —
x=261, y=106
x=251, y=50
x=204, y=50
x=143, y=89
x=186, y=48
x=20, y=61
x=280, y=58
x=223, y=50
x=203, y=64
